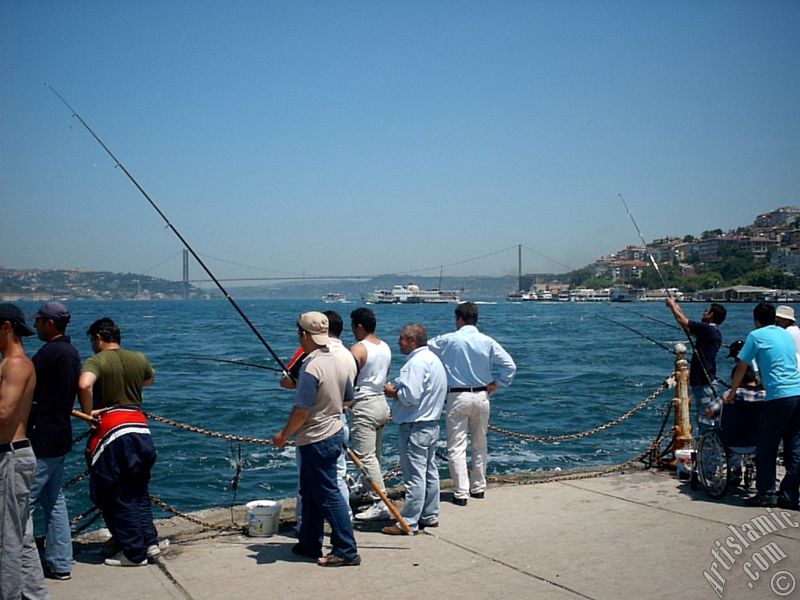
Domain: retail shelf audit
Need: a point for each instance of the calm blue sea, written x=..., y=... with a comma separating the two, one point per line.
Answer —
x=575, y=371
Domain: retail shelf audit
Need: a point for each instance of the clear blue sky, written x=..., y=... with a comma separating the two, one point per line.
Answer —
x=374, y=137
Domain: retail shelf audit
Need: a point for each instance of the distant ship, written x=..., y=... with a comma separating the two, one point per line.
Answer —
x=331, y=298
x=413, y=294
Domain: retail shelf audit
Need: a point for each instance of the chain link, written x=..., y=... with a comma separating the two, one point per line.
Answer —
x=587, y=475
x=76, y=479
x=172, y=510
x=574, y=436
x=200, y=430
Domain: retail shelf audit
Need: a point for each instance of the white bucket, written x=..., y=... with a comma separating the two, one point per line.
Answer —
x=263, y=517
x=683, y=463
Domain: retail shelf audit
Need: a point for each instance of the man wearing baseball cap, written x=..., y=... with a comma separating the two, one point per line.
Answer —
x=58, y=367
x=784, y=317
x=323, y=385
x=20, y=569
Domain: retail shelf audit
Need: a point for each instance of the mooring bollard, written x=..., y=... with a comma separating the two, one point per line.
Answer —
x=682, y=432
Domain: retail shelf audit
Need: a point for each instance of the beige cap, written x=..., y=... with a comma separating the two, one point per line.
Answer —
x=785, y=312
x=316, y=324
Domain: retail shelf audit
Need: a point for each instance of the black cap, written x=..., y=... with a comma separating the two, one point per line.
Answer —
x=12, y=312
x=735, y=348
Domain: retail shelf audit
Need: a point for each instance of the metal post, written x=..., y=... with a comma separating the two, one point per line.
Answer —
x=682, y=435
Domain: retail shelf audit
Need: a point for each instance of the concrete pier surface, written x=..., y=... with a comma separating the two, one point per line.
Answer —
x=642, y=535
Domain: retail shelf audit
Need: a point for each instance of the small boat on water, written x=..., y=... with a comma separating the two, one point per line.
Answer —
x=413, y=294
x=332, y=298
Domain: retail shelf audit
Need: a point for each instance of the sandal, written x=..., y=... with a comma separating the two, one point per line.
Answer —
x=331, y=560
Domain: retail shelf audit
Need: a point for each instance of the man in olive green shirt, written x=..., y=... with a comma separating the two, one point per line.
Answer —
x=120, y=451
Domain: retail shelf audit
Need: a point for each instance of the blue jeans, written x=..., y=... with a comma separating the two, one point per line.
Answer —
x=341, y=479
x=702, y=397
x=780, y=418
x=322, y=499
x=46, y=490
x=420, y=473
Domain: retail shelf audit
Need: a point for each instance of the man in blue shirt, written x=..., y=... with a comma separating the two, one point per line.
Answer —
x=476, y=366
x=774, y=352
x=418, y=392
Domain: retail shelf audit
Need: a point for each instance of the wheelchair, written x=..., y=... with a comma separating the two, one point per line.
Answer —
x=725, y=455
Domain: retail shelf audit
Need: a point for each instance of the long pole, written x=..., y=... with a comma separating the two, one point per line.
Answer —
x=666, y=289
x=381, y=494
x=174, y=230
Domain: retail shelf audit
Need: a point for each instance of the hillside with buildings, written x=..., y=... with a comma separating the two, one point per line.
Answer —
x=74, y=284
x=762, y=255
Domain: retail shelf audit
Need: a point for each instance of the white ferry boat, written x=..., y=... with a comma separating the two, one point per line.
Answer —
x=332, y=298
x=413, y=294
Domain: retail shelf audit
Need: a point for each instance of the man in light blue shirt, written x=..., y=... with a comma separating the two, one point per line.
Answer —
x=476, y=366
x=773, y=349
x=418, y=393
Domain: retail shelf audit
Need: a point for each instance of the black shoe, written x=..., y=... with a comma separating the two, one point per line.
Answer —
x=784, y=503
x=422, y=525
x=459, y=501
x=478, y=495
x=299, y=550
x=766, y=500
x=56, y=575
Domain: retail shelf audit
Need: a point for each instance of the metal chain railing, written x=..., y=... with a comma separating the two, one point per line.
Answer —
x=200, y=430
x=76, y=479
x=586, y=475
x=236, y=528
x=582, y=434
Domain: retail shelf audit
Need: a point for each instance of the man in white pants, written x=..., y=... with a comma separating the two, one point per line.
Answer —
x=476, y=366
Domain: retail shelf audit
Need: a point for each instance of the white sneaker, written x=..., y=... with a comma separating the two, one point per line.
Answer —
x=120, y=560
x=153, y=552
x=376, y=512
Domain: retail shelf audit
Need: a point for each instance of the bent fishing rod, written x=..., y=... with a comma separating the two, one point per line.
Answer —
x=639, y=333
x=670, y=325
x=669, y=295
x=174, y=230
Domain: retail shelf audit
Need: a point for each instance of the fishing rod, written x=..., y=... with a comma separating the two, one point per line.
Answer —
x=671, y=325
x=174, y=230
x=669, y=295
x=637, y=332
x=241, y=363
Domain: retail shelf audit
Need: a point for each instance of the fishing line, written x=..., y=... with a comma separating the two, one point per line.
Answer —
x=669, y=295
x=174, y=230
x=637, y=332
x=670, y=325
x=241, y=363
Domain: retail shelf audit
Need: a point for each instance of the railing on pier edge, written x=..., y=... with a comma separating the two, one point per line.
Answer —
x=659, y=454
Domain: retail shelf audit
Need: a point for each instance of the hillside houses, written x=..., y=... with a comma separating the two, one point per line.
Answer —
x=773, y=238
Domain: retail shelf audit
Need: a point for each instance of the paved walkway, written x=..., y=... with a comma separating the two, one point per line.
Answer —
x=638, y=536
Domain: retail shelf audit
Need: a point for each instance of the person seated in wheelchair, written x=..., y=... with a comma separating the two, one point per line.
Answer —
x=750, y=390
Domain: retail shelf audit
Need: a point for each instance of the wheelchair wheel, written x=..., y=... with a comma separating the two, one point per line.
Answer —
x=749, y=468
x=712, y=464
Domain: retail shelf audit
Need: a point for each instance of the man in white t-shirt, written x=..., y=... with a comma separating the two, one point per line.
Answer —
x=370, y=411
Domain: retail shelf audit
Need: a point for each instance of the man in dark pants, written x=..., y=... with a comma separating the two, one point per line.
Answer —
x=120, y=452
x=323, y=386
x=58, y=367
x=703, y=368
x=774, y=352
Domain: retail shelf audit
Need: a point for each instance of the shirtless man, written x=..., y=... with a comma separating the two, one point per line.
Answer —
x=20, y=568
